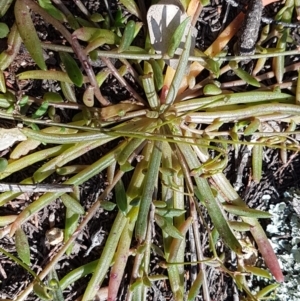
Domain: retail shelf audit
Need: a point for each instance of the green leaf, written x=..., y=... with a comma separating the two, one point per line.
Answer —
x=177, y=37
x=149, y=185
x=252, y=127
x=28, y=33
x=96, y=17
x=257, y=161
x=42, y=291
x=109, y=206
x=50, y=74
x=3, y=164
x=157, y=74
x=135, y=202
x=55, y=286
x=127, y=37
x=211, y=89
x=267, y=290
x=126, y=167
x=132, y=7
x=149, y=88
x=41, y=110
x=91, y=34
x=208, y=63
x=146, y=281
x=22, y=246
x=72, y=204
x=71, y=223
x=106, y=257
x=167, y=227
x=239, y=226
x=179, y=74
x=88, y=96
x=4, y=6
x=204, y=193
x=52, y=97
x=245, y=211
x=195, y=288
x=23, y=101
x=258, y=271
x=169, y=212
x=4, y=30
x=51, y=10
x=242, y=74
x=72, y=68
x=121, y=197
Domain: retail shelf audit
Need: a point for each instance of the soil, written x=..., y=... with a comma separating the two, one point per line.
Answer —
x=277, y=177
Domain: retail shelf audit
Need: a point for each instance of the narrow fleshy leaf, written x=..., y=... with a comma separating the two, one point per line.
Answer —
x=121, y=197
x=51, y=9
x=4, y=6
x=239, y=226
x=71, y=223
x=205, y=194
x=266, y=249
x=51, y=74
x=127, y=37
x=109, y=206
x=3, y=164
x=96, y=17
x=176, y=243
x=248, y=212
x=167, y=227
x=267, y=290
x=209, y=63
x=4, y=30
x=245, y=76
x=177, y=37
x=28, y=33
x=257, y=159
x=218, y=217
x=258, y=271
x=122, y=253
x=149, y=88
x=211, y=89
x=55, y=287
x=194, y=290
x=52, y=97
x=128, y=150
x=88, y=96
x=41, y=110
x=106, y=257
x=279, y=61
x=132, y=7
x=42, y=292
x=180, y=72
x=252, y=127
x=148, y=189
x=71, y=203
x=68, y=91
x=72, y=68
x=14, y=41
x=92, y=33
x=22, y=246
x=157, y=74
x=169, y=212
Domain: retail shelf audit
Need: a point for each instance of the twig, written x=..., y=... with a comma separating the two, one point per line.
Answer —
x=121, y=80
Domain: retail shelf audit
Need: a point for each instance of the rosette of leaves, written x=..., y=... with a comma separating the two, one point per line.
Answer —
x=173, y=150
